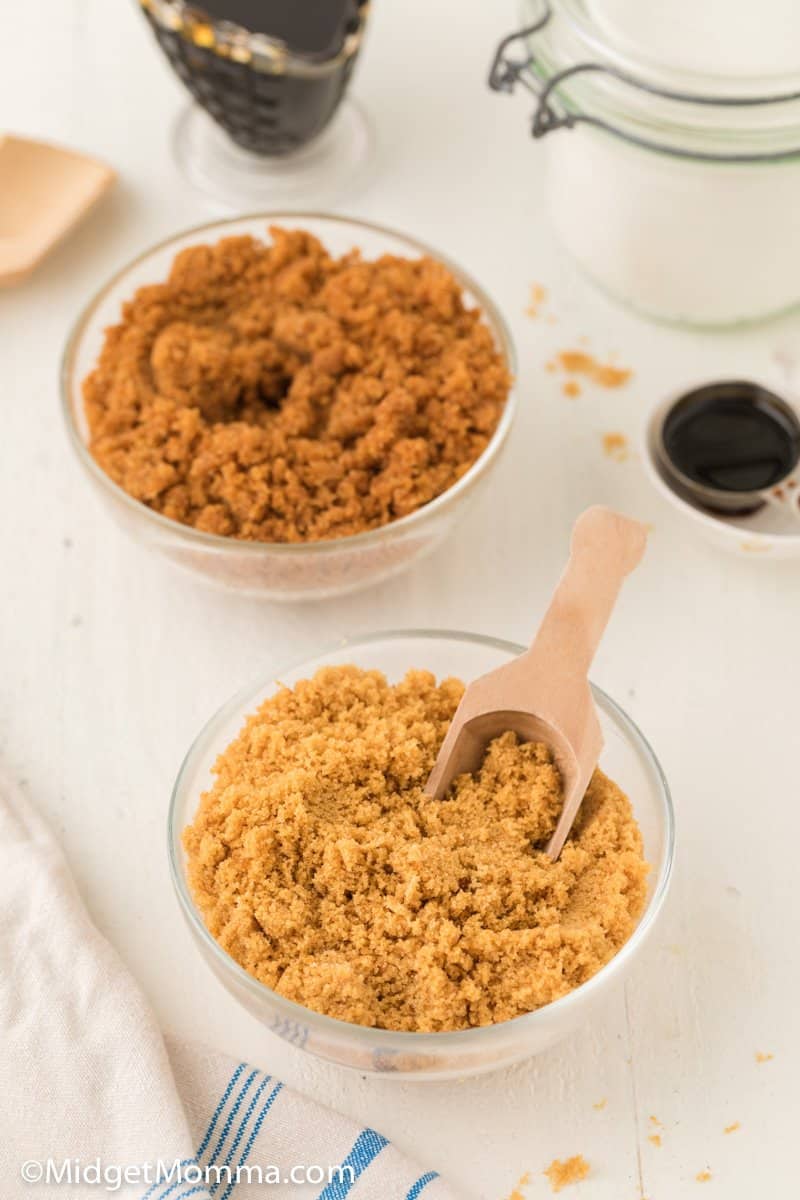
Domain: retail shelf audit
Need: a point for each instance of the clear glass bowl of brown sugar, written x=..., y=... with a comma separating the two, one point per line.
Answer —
x=278, y=570
x=627, y=759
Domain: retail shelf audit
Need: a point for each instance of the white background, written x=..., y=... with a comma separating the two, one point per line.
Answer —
x=111, y=660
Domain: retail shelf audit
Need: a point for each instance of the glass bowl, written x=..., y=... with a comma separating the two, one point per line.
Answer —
x=627, y=758
x=273, y=570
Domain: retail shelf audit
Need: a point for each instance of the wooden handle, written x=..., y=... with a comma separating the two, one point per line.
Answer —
x=605, y=547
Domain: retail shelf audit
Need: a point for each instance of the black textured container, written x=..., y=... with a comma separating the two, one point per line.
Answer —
x=273, y=88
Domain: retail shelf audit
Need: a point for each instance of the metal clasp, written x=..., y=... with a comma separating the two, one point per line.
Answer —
x=551, y=114
x=507, y=71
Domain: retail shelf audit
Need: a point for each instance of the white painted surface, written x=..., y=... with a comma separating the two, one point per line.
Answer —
x=111, y=661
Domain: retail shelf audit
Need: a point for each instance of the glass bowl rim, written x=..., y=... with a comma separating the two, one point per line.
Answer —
x=219, y=542
x=451, y=1040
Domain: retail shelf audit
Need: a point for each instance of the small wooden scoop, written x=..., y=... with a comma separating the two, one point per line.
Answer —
x=544, y=695
x=44, y=192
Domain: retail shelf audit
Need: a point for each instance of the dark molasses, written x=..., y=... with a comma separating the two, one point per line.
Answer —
x=732, y=437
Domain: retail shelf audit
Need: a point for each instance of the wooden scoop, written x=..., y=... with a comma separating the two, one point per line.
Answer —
x=44, y=192
x=544, y=695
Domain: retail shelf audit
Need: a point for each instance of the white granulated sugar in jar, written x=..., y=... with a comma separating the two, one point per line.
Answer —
x=685, y=206
x=715, y=37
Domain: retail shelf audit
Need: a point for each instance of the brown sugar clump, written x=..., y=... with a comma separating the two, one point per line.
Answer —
x=322, y=868
x=580, y=362
x=703, y=1176
x=270, y=392
x=516, y=1192
x=572, y=1170
x=615, y=445
x=538, y=295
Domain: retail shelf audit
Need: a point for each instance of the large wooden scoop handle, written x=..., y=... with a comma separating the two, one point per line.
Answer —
x=605, y=547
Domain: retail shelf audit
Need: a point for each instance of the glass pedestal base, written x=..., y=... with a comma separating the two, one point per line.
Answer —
x=329, y=169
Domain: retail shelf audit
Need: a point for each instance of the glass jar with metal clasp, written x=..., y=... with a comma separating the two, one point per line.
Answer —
x=676, y=187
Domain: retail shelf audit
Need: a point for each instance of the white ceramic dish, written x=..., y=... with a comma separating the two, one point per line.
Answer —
x=627, y=758
x=277, y=571
x=768, y=533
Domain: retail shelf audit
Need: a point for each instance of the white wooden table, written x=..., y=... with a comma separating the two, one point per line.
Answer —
x=111, y=660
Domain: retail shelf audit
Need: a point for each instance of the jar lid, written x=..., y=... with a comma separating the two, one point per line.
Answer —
x=738, y=43
x=586, y=69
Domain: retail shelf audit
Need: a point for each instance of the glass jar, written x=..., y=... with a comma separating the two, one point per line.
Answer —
x=676, y=191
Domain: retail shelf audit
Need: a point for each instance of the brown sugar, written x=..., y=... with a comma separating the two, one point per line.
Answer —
x=538, y=295
x=764, y=1058
x=321, y=867
x=733, y=1127
x=703, y=1176
x=571, y=388
x=571, y=1170
x=271, y=392
x=580, y=362
x=655, y=1139
x=615, y=446
x=516, y=1192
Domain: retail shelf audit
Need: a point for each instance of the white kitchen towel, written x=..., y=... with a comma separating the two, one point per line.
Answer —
x=92, y=1102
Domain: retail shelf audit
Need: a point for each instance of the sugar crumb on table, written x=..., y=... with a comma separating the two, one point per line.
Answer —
x=536, y=298
x=733, y=1127
x=516, y=1192
x=322, y=868
x=615, y=446
x=582, y=363
x=761, y=1057
x=703, y=1176
x=563, y=1173
x=655, y=1139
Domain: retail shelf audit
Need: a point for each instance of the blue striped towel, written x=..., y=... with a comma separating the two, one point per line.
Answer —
x=95, y=1099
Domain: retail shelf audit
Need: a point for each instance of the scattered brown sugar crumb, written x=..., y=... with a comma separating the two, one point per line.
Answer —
x=655, y=1138
x=270, y=392
x=580, y=362
x=571, y=388
x=516, y=1192
x=732, y=1128
x=538, y=295
x=320, y=865
x=655, y=1121
x=572, y=1170
x=615, y=445
x=600, y=1104
x=703, y=1176
x=762, y=1058
x=551, y=366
